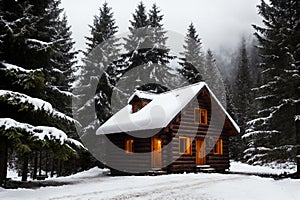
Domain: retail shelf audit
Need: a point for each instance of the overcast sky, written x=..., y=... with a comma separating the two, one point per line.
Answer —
x=218, y=22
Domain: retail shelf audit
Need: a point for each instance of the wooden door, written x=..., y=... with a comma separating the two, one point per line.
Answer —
x=156, y=153
x=200, y=152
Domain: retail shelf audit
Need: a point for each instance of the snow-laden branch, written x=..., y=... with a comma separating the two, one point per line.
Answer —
x=273, y=110
x=40, y=132
x=17, y=68
x=254, y=133
x=42, y=45
x=66, y=93
x=287, y=147
x=38, y=104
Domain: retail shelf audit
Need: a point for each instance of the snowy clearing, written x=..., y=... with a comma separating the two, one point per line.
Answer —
x=289, y=168
x=94, y=184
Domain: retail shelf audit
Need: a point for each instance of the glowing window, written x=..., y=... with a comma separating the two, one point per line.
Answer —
x=129, y=145
x=185, y=146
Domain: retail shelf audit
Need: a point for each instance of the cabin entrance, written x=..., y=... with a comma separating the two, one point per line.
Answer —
x=200, y=152
x=156, y=153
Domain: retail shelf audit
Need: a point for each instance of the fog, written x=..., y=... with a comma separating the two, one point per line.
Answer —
x=219, y=23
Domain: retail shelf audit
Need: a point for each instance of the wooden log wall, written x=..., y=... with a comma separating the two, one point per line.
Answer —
x=139, y=160
x=184, y=125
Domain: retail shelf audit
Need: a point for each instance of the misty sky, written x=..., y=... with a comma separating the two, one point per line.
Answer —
x=218, y=22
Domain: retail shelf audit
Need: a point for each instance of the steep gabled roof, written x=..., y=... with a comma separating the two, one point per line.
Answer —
x=158, y=113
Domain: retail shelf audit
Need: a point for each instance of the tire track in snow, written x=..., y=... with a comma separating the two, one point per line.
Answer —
x=161, y=189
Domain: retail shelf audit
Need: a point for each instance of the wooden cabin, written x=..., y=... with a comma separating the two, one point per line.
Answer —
x=182, y=130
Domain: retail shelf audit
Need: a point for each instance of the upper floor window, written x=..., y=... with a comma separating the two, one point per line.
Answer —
x=129, y=145
x=185, y=146
x=138, y=106
x=200, y=116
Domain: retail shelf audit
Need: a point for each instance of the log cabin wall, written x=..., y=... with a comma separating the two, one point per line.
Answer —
x=129, y=162
x=183, y=125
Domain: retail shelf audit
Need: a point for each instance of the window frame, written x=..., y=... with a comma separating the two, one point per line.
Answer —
x=218, y=148
x=187, y=145
x=129, y=146
x=198, y=111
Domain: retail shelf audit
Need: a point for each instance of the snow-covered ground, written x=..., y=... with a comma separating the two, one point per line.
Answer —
x=276, y=169
x=94, y=184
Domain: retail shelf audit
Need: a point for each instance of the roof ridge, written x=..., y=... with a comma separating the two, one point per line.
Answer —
x=176, y=89
x=147, y=92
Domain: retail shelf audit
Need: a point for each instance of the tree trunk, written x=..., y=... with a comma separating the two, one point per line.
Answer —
x=40, y=164
x=46, y=168
x=298, y=148
x=25, y=167
x=58, y=167
x=35, y=166
x=52, y=167
x=3, y=160
x=297, y=121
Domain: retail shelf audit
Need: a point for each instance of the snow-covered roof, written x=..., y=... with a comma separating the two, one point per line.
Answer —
x=158, y=113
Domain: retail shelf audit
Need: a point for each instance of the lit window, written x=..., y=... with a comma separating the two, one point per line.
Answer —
x=129, y=145
x=200, y=116
x=218, y=149
x=185, y=146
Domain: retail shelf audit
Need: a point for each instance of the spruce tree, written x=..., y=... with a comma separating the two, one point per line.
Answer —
x=97, y=80
x=146, y=63
x=97, y=70
x=272, y=135
x=157, y=38
x=193, y=66
x=242, y=100
x=27, y=121
x=213, y=77
x=139, y=35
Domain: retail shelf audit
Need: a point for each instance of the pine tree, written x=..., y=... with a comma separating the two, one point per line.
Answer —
x=97, y=80
x=27, y=122
x=242, y=100
x=254, y=61
x=14, y=23
x=213, y=77
x=62, y=66
x=193, y=66
x=98, y=71
x=104, y=28
x=146, y=63
x=157, y=38
x=139, y=34
x=272, y=135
